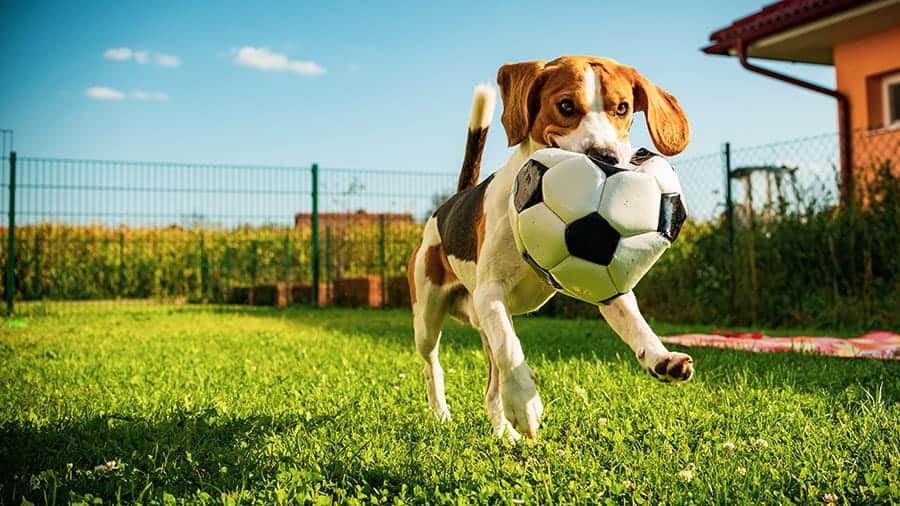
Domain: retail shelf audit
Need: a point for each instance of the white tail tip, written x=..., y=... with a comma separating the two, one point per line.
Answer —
x=482, y=106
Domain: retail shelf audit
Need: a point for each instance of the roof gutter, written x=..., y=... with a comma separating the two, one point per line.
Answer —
x=846, y=155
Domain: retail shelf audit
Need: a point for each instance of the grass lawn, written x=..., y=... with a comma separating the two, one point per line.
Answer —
x=259, y=405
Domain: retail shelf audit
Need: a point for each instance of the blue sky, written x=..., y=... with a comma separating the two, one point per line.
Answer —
x=371, y=85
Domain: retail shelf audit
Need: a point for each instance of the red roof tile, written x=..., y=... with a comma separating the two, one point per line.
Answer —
x=774, y=18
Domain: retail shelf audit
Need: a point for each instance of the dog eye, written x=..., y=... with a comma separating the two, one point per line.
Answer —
x=566, y=107
x=622, y=109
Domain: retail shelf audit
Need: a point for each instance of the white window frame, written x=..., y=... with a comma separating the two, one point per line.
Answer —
x=886, y=82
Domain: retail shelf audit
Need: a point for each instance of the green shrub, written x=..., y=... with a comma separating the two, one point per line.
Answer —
x=809, y=265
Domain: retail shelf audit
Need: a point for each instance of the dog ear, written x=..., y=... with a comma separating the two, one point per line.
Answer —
x=517, y=82
x=666, y=120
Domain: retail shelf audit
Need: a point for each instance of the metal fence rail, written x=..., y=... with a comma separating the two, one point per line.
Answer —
x=369, y=221
x=155, y=231
x=150, y=231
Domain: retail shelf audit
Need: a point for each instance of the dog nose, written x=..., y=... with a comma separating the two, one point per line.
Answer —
x=603, y=155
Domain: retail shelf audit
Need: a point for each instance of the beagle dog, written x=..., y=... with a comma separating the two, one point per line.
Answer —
x=467, y=265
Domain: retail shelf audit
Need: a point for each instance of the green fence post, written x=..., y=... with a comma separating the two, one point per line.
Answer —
x=287, y=265
x=228, y=253
x=253, y=262
x=204, y=269
x=314, y=222
x=729, y=216
x=121, y=263
x=328, y=252
x=251, y=294
x=36, y=266
x=11, y=235
x=382, y=261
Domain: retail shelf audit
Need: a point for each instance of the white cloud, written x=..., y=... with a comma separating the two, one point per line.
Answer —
x=117, y=53
x=142, y=57
x=264, y=59
x=167, y=60
x=149, y=96
x=104, y=93
x=107, y=93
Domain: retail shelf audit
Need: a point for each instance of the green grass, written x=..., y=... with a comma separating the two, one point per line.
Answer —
x=204, y=405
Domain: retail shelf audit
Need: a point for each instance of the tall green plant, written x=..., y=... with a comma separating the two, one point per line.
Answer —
x=70, y=262
x=810, y=265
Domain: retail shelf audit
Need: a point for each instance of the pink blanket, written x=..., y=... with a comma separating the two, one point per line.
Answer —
x=877, y=344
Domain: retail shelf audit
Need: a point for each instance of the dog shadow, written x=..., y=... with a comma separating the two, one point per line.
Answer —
x=127, y=459
x=548, y=339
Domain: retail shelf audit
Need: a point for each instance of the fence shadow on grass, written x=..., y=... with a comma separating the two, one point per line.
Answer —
x=203, y=451
x=184, y=452
x=547, y=339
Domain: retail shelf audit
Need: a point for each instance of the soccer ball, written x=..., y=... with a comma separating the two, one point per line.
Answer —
x=590, y=229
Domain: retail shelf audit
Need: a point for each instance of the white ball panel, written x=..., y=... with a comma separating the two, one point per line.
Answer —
x=514, y=223
x=543, y=235
x=635, y=256
x=572, y=188
x=584, y=280
x=630, y=203
x=665, y=176
x=549, y=157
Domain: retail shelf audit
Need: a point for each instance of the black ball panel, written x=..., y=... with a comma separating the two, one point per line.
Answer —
x=609, y=170
x=671, y=216
x=606, y=302
x=592, y=238
x=543, y=273
x=528, y=185
x=642, y=155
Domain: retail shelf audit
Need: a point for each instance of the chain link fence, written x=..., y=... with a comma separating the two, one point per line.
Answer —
x=787, y=245
x=127, y=231
x=783, y=177
x=369, y=223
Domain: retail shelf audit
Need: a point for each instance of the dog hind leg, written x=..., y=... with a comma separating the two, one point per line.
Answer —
x=462, y=309
x=429, y=313
x=492, y=401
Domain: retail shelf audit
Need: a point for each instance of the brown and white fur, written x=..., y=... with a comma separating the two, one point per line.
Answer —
x=467, y=265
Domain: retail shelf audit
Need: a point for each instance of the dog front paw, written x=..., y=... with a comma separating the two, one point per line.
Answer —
x=504, y=430
x=671, y=366
x=521, y=403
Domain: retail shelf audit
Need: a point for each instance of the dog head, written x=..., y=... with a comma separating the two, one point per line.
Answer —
x=587, y=104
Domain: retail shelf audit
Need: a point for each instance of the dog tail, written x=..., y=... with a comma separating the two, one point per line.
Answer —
x=479, y=121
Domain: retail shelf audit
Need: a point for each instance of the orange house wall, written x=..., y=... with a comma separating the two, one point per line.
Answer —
x=854, y=61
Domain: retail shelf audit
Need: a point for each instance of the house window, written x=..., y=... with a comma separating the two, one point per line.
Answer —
x=890, y=100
